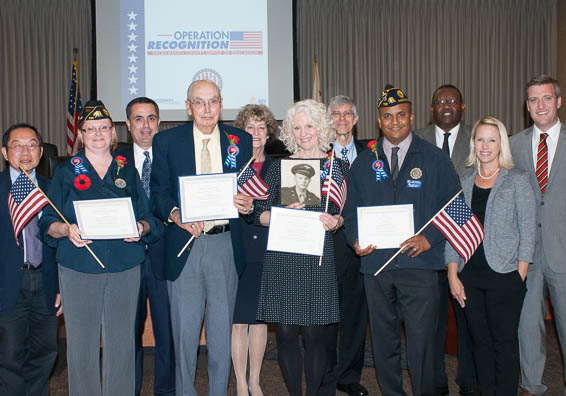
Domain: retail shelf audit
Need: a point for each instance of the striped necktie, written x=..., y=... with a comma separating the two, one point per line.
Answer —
x=345, y=156
x=542, y=163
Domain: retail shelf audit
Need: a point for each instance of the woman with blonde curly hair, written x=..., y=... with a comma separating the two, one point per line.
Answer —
x=296, y=292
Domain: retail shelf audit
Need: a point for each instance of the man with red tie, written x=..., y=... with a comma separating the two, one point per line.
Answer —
x=541, y=151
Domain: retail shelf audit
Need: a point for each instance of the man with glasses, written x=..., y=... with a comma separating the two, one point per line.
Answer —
x=345, y=367
x=29, y=299
x=451, y=136
x=207, y=273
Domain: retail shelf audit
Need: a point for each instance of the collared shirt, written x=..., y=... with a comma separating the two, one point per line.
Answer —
x=14, y=175
x=439, y=134
x=215, y=160
x=139, y=157
x=351, y=147
x=551, y=142
x=213, y=147
x=403, y=148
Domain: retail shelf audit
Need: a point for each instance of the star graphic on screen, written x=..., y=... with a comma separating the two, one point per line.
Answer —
x=133, y=69
x=132, y=58
x=132, y=26
x=132, y=47
x=132, y=16
x=133, y=90
x=133, y=79
x=132, y=36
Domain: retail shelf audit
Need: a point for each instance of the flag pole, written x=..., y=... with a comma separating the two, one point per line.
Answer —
x=327, y=195
x=193, y=237
x=60, y=215
x=418, y=232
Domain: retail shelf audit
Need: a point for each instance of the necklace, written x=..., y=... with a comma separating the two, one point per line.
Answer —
x=487, y=177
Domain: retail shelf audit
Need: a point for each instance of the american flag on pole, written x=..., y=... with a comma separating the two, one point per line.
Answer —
x=461, y=227
x=250, y=184
x=74, y=110
x=337, y=186
x=246, y=40
x=24, y=201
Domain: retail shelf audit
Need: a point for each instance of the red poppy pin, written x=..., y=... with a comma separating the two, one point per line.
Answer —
x=82, y=182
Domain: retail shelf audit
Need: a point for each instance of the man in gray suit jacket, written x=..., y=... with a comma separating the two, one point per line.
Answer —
x=453, y=137
x=541, y=151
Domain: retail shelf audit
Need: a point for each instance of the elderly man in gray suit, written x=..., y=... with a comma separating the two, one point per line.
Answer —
x=541, y=151
x=449, y=134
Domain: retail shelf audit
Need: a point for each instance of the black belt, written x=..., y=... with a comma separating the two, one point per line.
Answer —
x=218, y=229
x=29, y=267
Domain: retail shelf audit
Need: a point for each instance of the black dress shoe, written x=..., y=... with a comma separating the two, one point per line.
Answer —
x=442, y=391
x=352, y=389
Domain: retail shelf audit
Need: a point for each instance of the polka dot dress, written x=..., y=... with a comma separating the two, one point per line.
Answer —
x=295, y=290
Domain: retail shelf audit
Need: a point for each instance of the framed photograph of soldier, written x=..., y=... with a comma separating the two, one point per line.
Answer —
x=300, y=182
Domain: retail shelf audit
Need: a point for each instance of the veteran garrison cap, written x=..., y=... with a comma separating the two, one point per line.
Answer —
x=391, y=96
x=303, y=169
x=94, y=110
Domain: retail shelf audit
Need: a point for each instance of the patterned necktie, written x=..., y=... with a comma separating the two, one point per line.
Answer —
x=205, y=162
x=146, y=172
x=394, y=164
x=542, y=163
x=445, y=144
x=32, y=244
x=345, y=156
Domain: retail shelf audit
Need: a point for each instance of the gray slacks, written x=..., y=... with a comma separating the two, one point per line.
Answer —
x=208, y=279
x=532, y=330
x=92, y=302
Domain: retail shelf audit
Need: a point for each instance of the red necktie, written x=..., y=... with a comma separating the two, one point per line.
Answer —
x=542, y=163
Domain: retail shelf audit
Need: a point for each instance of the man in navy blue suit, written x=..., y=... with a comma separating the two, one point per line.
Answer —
x=142, y=119
x=29, y=299
x=402, y=169
x=207, y=274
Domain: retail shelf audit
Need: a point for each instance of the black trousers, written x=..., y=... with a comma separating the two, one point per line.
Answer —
x=156, y=291
x=413, y=294
x=466, y=375
x=291, y=358
x=28, y=341
x=346, y=358
x=493, y=309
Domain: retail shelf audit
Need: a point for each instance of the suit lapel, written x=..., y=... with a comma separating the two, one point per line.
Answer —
x=461, y=146
x=559, y=155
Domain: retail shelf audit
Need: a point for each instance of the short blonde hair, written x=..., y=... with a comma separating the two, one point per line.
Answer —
x=505, y=157
x=319, y=119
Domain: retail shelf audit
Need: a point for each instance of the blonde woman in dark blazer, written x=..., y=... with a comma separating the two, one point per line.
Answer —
x=491, y=286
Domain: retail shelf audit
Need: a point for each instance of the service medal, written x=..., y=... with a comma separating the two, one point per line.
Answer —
x=120, y=183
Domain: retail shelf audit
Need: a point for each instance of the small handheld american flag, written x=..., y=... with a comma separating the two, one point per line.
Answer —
x=250, y=184
x=337, y=186
x=24, y=201
x=461, y=227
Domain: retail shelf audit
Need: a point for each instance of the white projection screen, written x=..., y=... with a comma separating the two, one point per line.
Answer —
x=156, y=48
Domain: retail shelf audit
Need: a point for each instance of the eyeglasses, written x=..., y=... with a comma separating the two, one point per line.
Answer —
x=213, y=103
x=338, y=114
x=18, y=148
x=92, y=130
x=442, y=102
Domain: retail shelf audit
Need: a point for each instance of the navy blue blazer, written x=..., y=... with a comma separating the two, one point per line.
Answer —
x=156, y=249
x=173, y=156
x=427, y=180
x=12, y=256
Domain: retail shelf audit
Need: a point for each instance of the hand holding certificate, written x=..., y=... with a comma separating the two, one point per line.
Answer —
x=106, y=218
x=295, y=231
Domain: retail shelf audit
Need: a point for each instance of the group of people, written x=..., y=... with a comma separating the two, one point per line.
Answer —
x=226, y=276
